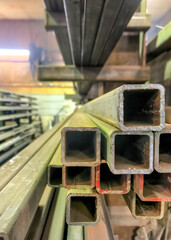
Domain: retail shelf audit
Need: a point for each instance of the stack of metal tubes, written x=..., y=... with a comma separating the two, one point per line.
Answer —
x=116, y=144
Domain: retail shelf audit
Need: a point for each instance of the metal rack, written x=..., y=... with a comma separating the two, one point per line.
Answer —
x=20, y=123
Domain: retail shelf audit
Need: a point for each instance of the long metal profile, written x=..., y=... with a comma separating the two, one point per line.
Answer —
x=15, y=108
x=162, y=159
x=83, y=207
x=143, y=210
x=13, y=141
x=36, y=228
x=126, y=152
x=12, y=167
x=153, y=187
x=79, y=177
x=137, y=107
x=55, y=170
x=7, y=155
x=58, y=220
x=11, y=100
x=7, y=127
x=23, y=193
x=109, y=183
x=80, y=141
x=16, y=116
x=76, y=233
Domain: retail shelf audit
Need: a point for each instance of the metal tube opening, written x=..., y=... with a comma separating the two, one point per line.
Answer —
x=55, y=176
x=80, y=146
x=141, y=107
x=164, y=149
x=157, y=185
x=109, y=181
x=78, y=176
x=83, y=209
x=148, y=209
x=132, y=152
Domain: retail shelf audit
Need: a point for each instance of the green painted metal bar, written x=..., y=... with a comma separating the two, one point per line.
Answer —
x=161, y=43
x=55, y=169
x=36, y=228
x=75, y=233
x=11, y=168
x=58, y=221
x=17, y=211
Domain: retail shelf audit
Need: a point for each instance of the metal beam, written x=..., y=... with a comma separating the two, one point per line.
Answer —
x=131, y=107
x=126, y=11
x=161, y=43
x=58, y=220
x=94, y=74
x=17, y=116
x=109, y=14
x=73, y=18
x=90, y=25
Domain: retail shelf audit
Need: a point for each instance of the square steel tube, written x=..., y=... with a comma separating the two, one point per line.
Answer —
x=126, y=152
x=78, y=177
x=144, y=209
x=109, y=183
x=54, y=172
x=153, y=187
x=135, y=107
x=83, y=208
x=80, y=146
x=131, y=152
x=162, y=152
x=55, y=176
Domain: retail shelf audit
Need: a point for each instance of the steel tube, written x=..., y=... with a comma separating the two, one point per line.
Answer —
x=12, y=141
x=75, y=233
x=83, y=207
x=109, y=183
x=141, y=209
x=22, y=194
x=11, y=168
x=162, y=157
x=38, y=222
x=7, y=155
x=55, y=169
x=153, y=187
x=80, y=177
x=80, y=141
x=137, y=107
x=8, y=127
x=16, y=116
x=126, y=152
x=58, y=221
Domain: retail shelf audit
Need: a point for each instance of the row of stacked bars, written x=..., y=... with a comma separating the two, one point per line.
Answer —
x=120, y=134
x=19, y=123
